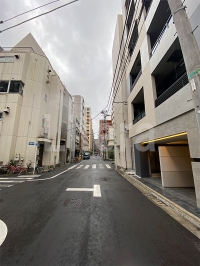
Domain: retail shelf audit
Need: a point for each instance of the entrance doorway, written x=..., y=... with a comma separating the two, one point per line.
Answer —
x=41, y=150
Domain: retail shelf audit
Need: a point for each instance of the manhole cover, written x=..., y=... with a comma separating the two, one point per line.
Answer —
x=104, y=179
x=72, y=202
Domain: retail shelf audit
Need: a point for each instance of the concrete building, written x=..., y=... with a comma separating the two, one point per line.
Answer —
x=157, y=108
x=31, y=106
x=88, y=126
x=79, y=105
x=103, y=134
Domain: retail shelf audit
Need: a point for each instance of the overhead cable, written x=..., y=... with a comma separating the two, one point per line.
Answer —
x=28, y=11
x=38, y=16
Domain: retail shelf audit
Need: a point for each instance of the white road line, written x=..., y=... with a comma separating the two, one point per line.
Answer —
x=3, y=232
x=87, y=166
x=79, y=189
x=11, y=181
x=6, y=185
x=48, y=178
x=94, y=166
x=14, y=178
x=101, y=166
x=79, y=166
x=108, y=166
x=96, y=190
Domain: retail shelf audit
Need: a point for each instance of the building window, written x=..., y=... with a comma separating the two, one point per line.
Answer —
x=1, y=116
x=138, y=107
x=6, y=59
x=16, y=87
x=4, y=85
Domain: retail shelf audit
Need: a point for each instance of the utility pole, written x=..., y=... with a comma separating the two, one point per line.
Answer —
x=190, y=50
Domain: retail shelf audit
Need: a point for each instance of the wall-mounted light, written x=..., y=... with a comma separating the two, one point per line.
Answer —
x=17, y=56
x=167, y=137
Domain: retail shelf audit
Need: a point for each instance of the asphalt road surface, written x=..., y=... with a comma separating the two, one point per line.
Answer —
x=109, y=223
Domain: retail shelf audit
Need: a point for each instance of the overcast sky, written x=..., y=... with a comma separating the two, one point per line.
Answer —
x=77, y=39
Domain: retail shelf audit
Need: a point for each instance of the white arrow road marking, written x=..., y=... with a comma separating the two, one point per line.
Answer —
x=96, y=190
x=108, y=166
x=94, y=166
x=87, y=166
x=3, y=232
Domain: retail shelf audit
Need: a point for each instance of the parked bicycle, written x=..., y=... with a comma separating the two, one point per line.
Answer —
x=19, y=169
x=39, y=169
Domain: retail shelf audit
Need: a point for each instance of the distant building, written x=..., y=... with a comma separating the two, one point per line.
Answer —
x=88, y=126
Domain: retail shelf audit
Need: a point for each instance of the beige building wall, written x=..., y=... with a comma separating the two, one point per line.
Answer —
x=36, y=115
x=176, y=168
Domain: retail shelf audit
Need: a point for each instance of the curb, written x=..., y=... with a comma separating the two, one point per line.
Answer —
x=178, y=209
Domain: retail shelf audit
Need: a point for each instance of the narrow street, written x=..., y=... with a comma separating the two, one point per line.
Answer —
x=50, y=225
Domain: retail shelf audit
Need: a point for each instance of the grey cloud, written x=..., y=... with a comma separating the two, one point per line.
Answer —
x=78, y=37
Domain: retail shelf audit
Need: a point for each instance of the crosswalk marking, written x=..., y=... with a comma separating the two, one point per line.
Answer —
x=6, y=182
x=94, y=166
x=79, y=166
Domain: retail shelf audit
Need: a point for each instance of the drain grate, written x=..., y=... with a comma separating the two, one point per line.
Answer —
x=72, y=202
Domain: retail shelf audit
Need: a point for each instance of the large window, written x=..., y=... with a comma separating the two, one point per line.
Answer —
x=6, y=59
x=16, y=87
x=13, y=86
x=4, y=86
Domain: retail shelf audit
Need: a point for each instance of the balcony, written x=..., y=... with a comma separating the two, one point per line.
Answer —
x=136, y=80
x=139, y=117
x=138, y=106
x=176, y=86
x=136, y=72
x=161, y=35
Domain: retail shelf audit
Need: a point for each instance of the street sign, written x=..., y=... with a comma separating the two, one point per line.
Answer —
x=31, y=143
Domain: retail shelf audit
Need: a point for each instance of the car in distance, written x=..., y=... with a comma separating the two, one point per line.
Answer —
x=86, y=156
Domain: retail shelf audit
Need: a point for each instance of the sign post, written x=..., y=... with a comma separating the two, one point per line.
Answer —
x=31, y=143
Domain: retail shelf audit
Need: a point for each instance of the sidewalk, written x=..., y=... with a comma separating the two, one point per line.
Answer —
x=181, y=200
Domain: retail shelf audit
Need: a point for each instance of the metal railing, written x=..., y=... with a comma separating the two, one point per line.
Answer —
x=139, y=117
x=136, y=80
x=163, y=31
x=176, y=86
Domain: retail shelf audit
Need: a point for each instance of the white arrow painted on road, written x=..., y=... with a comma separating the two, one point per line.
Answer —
x=3, y=232
x=96, y=190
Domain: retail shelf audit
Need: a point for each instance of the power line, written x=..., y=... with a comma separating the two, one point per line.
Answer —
x=125, y=62
x=38, y=16
x=118, y=58
x=125, y=47
x=1, y=22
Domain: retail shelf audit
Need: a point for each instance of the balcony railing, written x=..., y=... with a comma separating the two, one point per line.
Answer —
x=164, y=30
x=139, y=117
x=136, y=80
x=176, y=86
